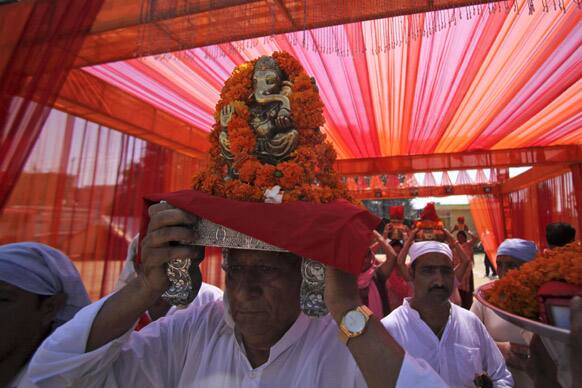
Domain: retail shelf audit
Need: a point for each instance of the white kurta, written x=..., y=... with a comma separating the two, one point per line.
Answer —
x=207, y=293
x=198, y=348
x=464, y=349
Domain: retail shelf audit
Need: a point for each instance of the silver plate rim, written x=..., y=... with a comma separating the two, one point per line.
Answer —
x=542, y=329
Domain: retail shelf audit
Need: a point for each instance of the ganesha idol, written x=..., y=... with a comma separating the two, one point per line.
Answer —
x=398, y=228
x=461, y=226
x=430, y=226
x=270, y=116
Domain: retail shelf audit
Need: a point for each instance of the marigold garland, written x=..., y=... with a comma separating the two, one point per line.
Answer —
x=517, y=291
x=307, y=176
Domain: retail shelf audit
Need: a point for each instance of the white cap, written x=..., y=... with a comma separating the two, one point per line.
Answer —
x=423, y=247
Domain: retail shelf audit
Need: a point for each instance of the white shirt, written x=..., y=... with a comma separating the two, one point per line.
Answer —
x=198, y=348
x=21, y=380
x=464, y=349
x=207, y=293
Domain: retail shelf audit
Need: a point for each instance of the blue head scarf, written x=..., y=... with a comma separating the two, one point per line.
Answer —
x=524, y=250
x=42, y=270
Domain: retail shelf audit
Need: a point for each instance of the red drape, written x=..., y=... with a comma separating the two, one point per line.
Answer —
x=81, y=191
x=487, y=216
x=42, y=42
x=532, y=208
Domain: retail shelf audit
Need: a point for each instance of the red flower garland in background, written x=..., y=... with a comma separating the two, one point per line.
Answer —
x=308, y=175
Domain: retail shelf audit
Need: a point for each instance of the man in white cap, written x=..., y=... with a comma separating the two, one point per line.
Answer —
x=512, y=340
x=451, y=339
x=40, y=289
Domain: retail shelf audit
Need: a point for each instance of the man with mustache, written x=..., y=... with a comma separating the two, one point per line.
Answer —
x=256, y=337
x=451, y=339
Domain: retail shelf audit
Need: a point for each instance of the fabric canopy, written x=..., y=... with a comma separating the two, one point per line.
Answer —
x=438, y=82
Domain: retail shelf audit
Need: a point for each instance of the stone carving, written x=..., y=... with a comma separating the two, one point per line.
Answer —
x=270, y=116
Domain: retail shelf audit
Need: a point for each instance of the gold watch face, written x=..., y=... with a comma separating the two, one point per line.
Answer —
x=354, y=321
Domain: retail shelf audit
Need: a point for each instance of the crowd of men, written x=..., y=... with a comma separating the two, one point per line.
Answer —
x=421, y=326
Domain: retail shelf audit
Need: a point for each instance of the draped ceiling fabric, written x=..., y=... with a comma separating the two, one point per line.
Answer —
x=34, y=36
x=439, y=82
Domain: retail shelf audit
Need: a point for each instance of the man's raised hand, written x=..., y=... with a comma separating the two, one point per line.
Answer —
x=169, y=232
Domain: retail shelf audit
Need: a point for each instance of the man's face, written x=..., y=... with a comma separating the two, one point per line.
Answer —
x=22, y=320
x=506, y=263
x=433, y=278
x=263, y=293
x=462, y=237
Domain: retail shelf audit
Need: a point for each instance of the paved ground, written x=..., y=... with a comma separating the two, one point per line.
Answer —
x=479, y=271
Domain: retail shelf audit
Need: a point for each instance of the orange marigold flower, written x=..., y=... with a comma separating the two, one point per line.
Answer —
x=292, y=174
x=308, y=175
x=517, y=291
x=248, y=169
x=265, y=177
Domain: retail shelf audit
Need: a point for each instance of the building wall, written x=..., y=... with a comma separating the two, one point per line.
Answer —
x=450, y=213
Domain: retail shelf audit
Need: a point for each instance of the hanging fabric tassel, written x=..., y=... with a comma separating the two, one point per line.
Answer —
x=493, y=175
x=392, y=34
x=562, y=5
x=412, y=28
x=530, y=5
x=443, y=19
x=304, y=22
x=402, y=31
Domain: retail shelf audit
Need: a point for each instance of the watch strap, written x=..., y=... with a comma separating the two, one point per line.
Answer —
x=344, y=334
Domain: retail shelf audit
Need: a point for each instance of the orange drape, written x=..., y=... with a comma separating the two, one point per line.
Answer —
x=81, y=191
x=532, y=208
x=41, y=43
x=487, y=213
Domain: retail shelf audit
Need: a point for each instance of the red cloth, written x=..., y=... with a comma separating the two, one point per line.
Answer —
x=397, y=289
x=337, y=234
x=143, y=321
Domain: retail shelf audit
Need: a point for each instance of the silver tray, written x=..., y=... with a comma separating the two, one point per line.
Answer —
x=214, y=235
x=542, y=329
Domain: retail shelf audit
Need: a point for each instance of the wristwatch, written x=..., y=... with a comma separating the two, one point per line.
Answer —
x=353, y=323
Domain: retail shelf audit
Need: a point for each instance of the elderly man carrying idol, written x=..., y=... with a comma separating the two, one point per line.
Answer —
x=292, y=246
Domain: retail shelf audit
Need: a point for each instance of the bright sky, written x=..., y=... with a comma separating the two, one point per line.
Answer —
x=420, y=203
